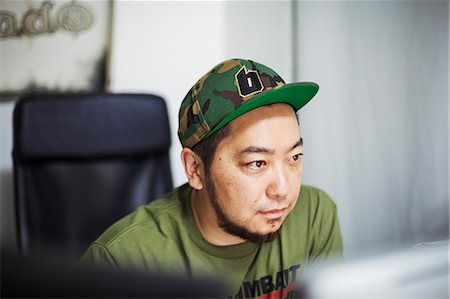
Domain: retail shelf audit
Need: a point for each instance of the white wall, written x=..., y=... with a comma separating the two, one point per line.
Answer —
x=376, y=136
x=7, y=217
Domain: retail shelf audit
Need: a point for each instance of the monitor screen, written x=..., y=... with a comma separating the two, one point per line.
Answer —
x=30, y=277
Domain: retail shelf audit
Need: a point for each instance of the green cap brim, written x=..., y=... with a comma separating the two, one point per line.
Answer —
x=295, y=94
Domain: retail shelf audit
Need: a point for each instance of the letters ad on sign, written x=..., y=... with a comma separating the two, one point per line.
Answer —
x=54, y=46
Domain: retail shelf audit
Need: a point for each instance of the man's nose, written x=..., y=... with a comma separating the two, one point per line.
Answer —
x=279, y=184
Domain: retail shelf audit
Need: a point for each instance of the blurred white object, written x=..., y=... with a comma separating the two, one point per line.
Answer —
x=428, y=244
x=419, y=272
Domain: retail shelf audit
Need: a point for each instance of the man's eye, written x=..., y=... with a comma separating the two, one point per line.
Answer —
x=256, y=164
x=296, y=158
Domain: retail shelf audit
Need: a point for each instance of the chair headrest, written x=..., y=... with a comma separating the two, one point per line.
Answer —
x=74, y=126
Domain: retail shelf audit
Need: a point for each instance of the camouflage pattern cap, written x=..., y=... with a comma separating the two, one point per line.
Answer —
x=230, y=89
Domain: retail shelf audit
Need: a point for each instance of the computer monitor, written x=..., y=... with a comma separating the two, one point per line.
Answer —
x=419, y=272
x=27, y=277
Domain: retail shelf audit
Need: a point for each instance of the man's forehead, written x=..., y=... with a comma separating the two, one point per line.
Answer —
x=261, y=114
x=273, y=127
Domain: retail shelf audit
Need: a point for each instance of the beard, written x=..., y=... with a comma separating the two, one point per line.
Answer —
x=233, y=228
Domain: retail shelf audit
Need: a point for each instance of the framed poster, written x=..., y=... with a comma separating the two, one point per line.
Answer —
x=54, y=46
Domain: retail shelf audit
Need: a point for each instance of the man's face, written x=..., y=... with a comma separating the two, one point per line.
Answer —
x=255, y=177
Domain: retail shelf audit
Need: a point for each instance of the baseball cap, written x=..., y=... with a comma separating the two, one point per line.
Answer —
x=230, y=89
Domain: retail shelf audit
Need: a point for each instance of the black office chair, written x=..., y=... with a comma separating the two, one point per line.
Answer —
x=81, y=162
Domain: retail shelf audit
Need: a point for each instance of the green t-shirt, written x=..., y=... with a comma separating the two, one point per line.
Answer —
x=163, y=236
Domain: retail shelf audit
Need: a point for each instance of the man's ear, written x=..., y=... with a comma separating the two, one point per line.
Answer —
x=193, y=168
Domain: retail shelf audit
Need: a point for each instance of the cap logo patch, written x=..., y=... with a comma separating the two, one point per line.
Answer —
x=248, y=82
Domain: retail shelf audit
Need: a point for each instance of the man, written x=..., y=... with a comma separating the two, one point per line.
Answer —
x=242, y=216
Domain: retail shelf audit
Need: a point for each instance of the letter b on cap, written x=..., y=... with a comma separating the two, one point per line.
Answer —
x=248, y=82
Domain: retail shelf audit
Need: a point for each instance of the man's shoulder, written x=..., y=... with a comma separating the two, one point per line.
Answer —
x=147, y=219
x=315, y=196
x=138, y=240
x=317, y=214
x=314, y=203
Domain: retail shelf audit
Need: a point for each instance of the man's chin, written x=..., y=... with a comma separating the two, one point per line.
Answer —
x=257, y=238
x=264, y=238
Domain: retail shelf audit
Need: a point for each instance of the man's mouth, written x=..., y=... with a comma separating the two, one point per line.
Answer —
x=274, y=214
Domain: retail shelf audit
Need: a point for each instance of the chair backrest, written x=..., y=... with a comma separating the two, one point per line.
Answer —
x=82, y=161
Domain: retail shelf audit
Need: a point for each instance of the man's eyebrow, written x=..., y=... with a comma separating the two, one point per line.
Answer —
x=258, y=149
x=255, y=149
x=299, y=143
